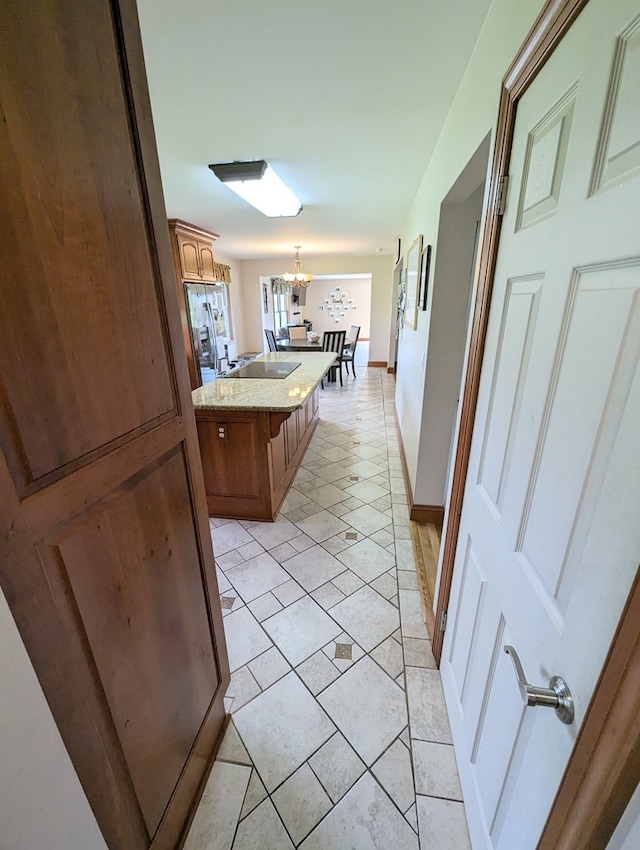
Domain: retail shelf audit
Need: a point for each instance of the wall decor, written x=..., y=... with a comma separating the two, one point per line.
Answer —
x=413, y=282
x=265, y=298
x=424, y=277
x=337, y=305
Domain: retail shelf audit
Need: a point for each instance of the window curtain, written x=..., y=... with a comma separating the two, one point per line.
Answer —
x=222, y=273
x=280, y=286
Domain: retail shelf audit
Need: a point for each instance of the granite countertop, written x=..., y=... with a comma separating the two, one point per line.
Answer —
x=273, y=394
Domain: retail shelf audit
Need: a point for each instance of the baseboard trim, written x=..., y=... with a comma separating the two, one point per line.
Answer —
x=417, y=513
x=377, y=363
x=427, y=513
x=391, y=370
x=403, y=460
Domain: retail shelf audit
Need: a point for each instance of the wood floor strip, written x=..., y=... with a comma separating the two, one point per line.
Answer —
x=426, y=545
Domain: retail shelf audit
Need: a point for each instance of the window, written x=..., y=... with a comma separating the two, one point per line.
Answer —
x=280, y=310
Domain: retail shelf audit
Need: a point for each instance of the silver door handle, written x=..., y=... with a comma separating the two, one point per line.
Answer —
x=557, y=695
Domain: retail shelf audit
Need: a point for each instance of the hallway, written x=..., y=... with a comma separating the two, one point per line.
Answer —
x=338, y=735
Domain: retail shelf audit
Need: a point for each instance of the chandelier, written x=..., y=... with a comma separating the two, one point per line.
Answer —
x=297, y=277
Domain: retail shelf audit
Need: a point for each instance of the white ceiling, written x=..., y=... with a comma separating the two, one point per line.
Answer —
x=344, y=98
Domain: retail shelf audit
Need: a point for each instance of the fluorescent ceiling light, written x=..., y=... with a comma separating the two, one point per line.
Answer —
x=258, y=184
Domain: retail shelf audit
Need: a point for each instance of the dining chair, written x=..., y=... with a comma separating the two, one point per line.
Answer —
x=334, y=341
x=298, y=332
x=271, y=339
x=349, y=354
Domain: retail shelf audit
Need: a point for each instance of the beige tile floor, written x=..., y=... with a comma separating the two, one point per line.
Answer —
x=339, y=736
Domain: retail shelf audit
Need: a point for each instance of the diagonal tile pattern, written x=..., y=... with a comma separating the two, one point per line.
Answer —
x=338, y=734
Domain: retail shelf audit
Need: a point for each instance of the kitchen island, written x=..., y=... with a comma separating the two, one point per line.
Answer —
x=253, y=433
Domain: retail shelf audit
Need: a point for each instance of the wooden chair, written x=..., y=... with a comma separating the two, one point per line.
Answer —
x=298, y=332
x=349, y=354
x=334, y=341
x=271, y=339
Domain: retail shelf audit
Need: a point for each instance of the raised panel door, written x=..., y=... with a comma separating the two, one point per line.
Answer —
x=549, y=544
x=205, y=250
x=233, y=454
x=291, y=434
x=105, y=551
x=191, y=266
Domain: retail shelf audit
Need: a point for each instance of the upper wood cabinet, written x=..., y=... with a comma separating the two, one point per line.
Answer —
x=193, y=249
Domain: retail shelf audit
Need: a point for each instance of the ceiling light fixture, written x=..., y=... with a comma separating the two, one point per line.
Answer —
x=296, y=277
x=258, y=184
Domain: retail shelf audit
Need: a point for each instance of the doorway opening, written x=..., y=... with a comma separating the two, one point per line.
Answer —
x=450, y=309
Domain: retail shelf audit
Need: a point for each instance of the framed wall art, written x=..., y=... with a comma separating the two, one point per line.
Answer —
x=424, y=277
x=413, y=283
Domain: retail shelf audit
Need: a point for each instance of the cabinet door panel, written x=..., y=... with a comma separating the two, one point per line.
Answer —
x=189, y=258
x=230, y=454
x=206, y=260
x=72, y=342
x=291, y=435
x=144, y=613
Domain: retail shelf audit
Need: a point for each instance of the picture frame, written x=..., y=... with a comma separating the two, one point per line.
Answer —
x=425, y=265
x=414, y=255
x=265, y=298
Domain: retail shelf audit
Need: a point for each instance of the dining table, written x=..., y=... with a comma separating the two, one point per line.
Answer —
x=307, y=345
x=298, y=345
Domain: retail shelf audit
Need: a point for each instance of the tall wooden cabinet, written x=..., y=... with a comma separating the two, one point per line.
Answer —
x=193, y=260
x=105, y=549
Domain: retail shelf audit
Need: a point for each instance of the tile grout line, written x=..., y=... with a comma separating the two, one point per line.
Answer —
x=383, y=455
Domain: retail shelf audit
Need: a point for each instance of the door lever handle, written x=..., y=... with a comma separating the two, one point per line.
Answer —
x=557, y=695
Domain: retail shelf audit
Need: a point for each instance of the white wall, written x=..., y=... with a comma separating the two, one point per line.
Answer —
x=627, y=833
x=447, y=335
x=380, y=267
x=42, y=804
x=472, y=115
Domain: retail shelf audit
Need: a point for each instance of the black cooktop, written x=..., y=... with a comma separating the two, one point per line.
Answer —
x=264, y=369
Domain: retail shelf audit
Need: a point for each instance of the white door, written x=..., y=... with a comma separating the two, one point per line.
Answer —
x=550, y=532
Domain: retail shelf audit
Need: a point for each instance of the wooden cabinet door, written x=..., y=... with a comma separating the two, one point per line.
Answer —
x=206, y=261
x=105, y=552
x=291, y=435
x=189, y=258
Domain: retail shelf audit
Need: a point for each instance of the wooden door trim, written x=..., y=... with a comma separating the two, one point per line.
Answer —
x=604, y=767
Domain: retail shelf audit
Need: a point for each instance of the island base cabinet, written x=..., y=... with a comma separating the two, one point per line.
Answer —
x=249, y=458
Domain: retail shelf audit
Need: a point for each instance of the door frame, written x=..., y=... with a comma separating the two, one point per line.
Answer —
x=604, y=768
